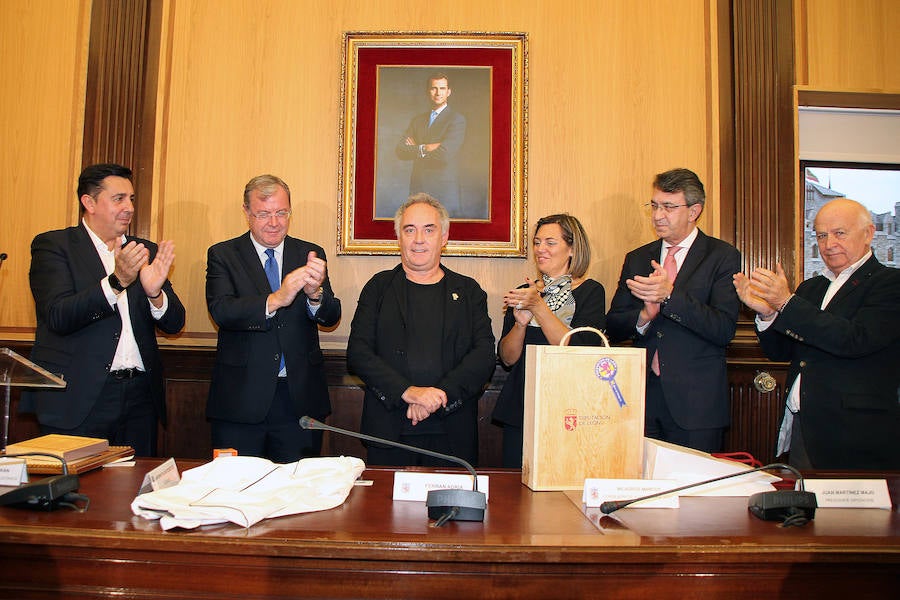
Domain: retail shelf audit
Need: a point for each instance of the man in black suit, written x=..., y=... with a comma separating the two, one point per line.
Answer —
x=676, y=299
x=99, y=297
x=841, y=333
x=421, y=341
x=268, y=293
x=433, y=141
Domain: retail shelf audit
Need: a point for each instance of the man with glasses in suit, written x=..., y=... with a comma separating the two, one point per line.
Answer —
x=268, y=292
x=676, y=299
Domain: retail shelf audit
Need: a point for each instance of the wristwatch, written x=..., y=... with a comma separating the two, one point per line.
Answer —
x=318, y=297
x=114, y=283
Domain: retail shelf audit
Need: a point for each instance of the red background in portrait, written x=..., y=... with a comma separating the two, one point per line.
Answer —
x=497, y=228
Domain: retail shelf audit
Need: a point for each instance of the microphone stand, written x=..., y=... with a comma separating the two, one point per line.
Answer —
x=443, y=505
x=794, y=507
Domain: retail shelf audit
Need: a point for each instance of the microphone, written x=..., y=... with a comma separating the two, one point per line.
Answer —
x=3, y=256
x=443, y=505
x=793, y=507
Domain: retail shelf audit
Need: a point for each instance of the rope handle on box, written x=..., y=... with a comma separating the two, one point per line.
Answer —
x=565, y=339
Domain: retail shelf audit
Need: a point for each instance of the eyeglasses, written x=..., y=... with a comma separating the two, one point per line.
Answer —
x=266, y=215
x=653, y=206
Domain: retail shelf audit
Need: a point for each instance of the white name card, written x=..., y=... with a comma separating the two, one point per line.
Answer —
x=415, y=486
x=13, y=471
x=162, y=477
x=598, y=491
x=849, y=493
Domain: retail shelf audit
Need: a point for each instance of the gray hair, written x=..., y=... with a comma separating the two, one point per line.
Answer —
x=266, y=185
x=423, y=198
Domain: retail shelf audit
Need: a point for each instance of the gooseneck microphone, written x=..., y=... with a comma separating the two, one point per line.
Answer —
x=46, y=494
x=443, y=505
x=793, y=507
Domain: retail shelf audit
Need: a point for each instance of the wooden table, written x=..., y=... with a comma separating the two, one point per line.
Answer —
x=531, y=544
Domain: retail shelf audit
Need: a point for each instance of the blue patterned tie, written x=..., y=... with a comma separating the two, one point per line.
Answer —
x=271, y=268
x=431, y=119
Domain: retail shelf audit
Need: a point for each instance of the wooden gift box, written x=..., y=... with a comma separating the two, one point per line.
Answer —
x=576, y=427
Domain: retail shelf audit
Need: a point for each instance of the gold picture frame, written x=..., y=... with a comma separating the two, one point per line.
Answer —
x=480, y=170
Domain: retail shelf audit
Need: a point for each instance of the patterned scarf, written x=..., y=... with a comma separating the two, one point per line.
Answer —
x=558, y=296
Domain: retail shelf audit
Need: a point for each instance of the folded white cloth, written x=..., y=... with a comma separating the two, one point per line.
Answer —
x=245, y=490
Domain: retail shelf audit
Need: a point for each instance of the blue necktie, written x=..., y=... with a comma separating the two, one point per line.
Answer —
x=431, y=119
x=271, y=268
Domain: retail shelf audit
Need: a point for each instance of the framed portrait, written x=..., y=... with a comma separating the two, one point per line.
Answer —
x=439, y=113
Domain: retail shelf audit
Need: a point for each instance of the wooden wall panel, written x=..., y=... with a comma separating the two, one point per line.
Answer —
x=43, y=57
x=848, y=45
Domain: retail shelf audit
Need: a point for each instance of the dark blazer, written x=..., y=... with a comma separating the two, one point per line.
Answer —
x=849, y=356
x=377, y=351
x=691, y=331
x=438, y=173
x=78, y=331
x=590, y=311
x=248, y=353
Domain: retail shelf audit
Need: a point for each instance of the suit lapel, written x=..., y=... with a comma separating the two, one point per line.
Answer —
x=246, y=252
x=653, y=250
x=857, y=278
x=86, y=254
x=398, y=287
x=695, y=256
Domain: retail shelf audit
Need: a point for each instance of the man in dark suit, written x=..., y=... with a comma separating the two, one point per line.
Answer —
x=421, y=341
x=841, y=333
x=99, y=297
x=433, y=141
x=268, y=293
x=676, y=299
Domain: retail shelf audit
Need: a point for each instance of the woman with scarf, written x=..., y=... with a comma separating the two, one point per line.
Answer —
x=542, y=311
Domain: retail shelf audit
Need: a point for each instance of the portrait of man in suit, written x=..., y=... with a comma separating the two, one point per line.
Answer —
x=268, y=293
x=100, y=296
x=443, y=149
x=840, y=332
x=433, y=142
x=675, y=298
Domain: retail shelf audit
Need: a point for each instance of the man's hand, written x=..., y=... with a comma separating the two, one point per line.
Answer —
x=130, y=259
x=652, y=289
x=416, y=413
x=308, y=279
x=656, y=287
x=153, y=275
x=430, y=398
x=763, y=291
x=316, y=269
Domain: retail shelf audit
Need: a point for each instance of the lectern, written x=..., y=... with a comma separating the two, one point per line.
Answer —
x=18, y=371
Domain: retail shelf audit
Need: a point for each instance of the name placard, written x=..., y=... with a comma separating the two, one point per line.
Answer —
x=415, y=486
x=849, y=493
x=162, y=477
x=13, y=471
x=598, y=491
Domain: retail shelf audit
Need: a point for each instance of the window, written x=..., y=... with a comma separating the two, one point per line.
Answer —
x=876, y=186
